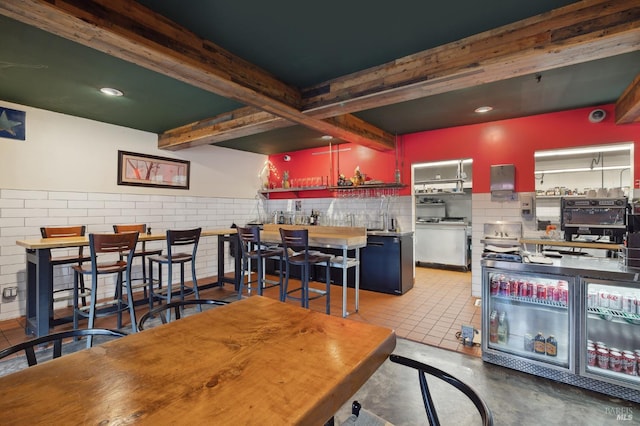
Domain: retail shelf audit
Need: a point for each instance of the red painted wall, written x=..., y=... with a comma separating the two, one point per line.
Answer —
x=500, y=142
x=318, y=162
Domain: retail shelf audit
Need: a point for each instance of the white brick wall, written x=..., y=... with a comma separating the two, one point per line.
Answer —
x=335, y=211
x=485, y=211
x=23, y=212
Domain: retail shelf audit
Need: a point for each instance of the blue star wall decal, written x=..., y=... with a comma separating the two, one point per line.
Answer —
x=12, y=124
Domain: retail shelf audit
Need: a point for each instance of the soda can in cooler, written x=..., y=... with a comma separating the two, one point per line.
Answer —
x=541, y=292
x=629, y=303
x=531, y=289
x=513, y=287
x=592, y=356
x=550, y=289
x=495, y=285
x=603, y=298
x=592, y=301
x=615, y=301
x=638, y=303
x=522, y=289
x=504, y=287
x=564, y=296
x=615, y=361
x=629, y=364
x=602, y=358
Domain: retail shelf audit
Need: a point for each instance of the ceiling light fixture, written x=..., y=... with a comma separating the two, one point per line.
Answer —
x=580, y=169
x=587, y=150
x=442, y=163
x=326, y=137
x=483, y=109
x=111, y=91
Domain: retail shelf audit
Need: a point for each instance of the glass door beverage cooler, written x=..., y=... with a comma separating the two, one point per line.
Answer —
x=576, y=321
x=610, y=341
x=528, y=320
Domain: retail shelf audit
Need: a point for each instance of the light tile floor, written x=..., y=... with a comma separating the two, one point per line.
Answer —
x=432, y=312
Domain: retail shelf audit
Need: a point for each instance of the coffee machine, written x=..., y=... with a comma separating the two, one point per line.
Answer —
x=603, y=217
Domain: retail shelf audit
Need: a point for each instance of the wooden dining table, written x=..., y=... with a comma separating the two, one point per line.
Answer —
x=39, y=286
x=344, y=239
x=257, y=361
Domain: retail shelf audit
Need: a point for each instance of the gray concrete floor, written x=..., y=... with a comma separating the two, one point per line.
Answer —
x=393, y=393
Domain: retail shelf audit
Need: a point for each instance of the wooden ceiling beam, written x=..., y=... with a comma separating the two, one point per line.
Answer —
x=241, y=122
x=581, y=32
x=249, y=121
x=578, y=33
x=132, y=32
x=628, y=104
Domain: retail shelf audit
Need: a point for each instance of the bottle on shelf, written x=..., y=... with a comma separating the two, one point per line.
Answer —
x=503, y=328
x=551, y=346
x=493, y=327
x=539, y=344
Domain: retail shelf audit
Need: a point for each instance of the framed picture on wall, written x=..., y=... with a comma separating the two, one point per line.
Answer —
x=150, y=170
x=12, y=124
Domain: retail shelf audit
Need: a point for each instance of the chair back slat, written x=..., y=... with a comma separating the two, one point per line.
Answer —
x=137, y=227
x=183, y=237
x=62, y=231
x=177, y=307
x=29, y=347
x=249, y=234
x=113, y=243
x=296, y=240
x=123, y=245
x=424, y=370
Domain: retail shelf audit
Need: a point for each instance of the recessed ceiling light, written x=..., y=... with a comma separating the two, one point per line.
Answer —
x=111, y=91
x=326, y=137
x=483, y=109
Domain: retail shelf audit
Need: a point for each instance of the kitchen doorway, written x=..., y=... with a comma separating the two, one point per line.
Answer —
x=442, y=213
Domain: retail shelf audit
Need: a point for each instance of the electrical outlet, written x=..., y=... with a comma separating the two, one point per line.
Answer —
x=9, y=292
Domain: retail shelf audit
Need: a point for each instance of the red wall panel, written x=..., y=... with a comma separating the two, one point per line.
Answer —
x=500, y=142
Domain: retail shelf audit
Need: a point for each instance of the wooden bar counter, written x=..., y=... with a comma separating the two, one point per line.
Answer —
x=40, y=282
x=252, y=362
x=334, y=237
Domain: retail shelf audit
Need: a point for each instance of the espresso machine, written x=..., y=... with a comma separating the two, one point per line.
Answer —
x=602, y=217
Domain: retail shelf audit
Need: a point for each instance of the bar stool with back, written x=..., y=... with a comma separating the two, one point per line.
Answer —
x=253, y=249
x=73, y=259
x=142, y=252
x=298, y=239
x=176, y=240
x=111, y=246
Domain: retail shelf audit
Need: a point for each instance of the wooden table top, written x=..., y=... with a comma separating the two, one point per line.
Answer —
x=252, y=362
x=62, y=242
x=321, y=236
